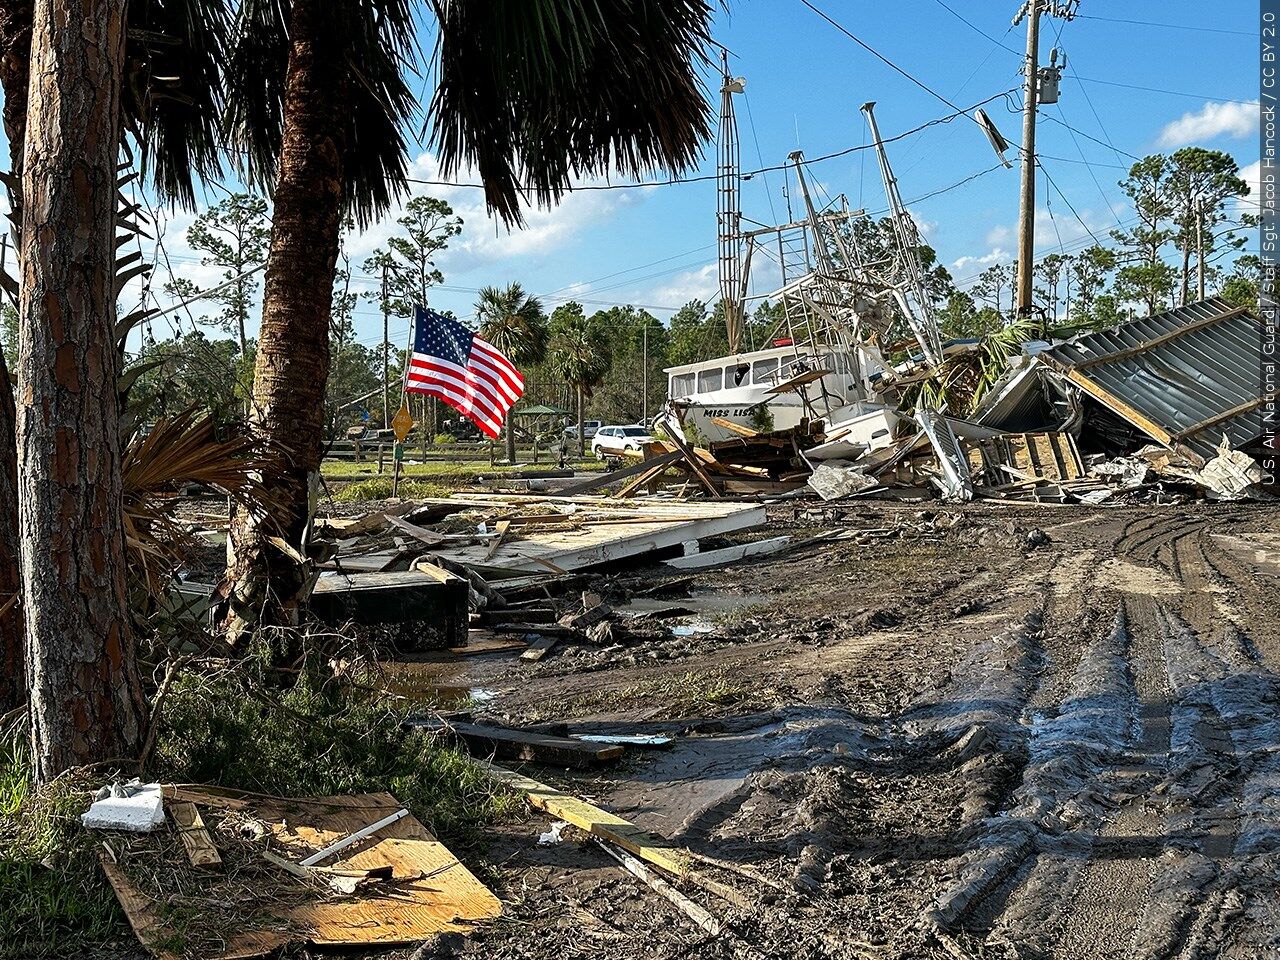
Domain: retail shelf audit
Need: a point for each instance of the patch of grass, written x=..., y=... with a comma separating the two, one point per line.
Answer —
x=318, y=739
x=448, y=470
x=379, y=488
x=56, y=902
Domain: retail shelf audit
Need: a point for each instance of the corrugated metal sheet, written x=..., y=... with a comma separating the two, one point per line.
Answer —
x=1187, y=376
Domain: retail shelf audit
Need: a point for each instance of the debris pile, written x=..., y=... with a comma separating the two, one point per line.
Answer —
x=1165, y=408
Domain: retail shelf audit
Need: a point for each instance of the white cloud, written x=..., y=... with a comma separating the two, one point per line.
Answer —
x=1252, y=175
x=999, y=236
x=1212, y=120
x=701, y=283
x=997, y=255
x=485, y=241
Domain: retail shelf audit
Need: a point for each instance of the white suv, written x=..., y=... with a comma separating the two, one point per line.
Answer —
x=615, y=441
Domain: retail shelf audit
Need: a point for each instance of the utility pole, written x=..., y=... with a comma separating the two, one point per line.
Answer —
x=1199, y=247
x=644, y=374
x=386, y=353
x=1032, y=97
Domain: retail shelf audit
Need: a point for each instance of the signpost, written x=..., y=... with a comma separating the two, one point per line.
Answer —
x=402, y=424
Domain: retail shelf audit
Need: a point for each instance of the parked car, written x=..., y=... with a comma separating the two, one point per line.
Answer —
x=589, y=429
x=615, y=441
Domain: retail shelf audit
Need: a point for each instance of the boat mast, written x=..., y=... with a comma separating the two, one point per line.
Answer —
x=919, y=314
x=729, y=208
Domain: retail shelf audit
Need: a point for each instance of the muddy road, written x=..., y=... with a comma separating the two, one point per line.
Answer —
x=990, y=732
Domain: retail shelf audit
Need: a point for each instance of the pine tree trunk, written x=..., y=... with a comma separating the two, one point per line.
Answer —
x=86, y=703
x=15, y=62
x=293, y=343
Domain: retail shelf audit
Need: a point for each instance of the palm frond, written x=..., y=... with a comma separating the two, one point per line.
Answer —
x=535, y=92
x=180, y=450
x=372, y=45
x=175, y=50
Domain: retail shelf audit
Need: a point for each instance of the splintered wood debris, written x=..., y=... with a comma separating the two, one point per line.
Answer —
x=396, y=885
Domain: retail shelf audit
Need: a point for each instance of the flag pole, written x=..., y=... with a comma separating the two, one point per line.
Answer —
x=404, y=397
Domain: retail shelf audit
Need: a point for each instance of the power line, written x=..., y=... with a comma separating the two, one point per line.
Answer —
x=1172, y=93
x=971, y=25
x=882, y=58
x=808, y=161
x=1167, y=26
x=1063, y=123
x=1063, y=196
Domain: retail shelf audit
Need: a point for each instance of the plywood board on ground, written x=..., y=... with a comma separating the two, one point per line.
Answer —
x=430, y=892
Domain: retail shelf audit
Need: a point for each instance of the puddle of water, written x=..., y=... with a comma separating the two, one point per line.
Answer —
x=423, y=683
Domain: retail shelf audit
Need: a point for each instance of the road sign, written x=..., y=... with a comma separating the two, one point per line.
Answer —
x=402, y=422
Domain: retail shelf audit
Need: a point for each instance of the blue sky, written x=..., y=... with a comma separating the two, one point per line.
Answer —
x=805, y=82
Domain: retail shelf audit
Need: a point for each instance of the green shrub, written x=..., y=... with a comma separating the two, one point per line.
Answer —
x=319, y=739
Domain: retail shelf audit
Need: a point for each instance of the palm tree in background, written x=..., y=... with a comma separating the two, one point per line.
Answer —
x=530, y=94
x=513, y=321
x=580, y=355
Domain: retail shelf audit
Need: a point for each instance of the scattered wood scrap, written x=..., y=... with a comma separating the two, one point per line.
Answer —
x=511, y=744
x=195, y=837
x=585, y=816
x=739, y=551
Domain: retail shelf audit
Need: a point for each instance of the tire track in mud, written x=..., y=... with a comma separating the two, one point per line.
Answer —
x=1147, y=820
x=1036, y=840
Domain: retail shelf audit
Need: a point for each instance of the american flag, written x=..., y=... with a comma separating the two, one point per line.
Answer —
x=450, y=362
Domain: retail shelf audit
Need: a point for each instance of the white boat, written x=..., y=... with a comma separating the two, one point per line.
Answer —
x=776, y=389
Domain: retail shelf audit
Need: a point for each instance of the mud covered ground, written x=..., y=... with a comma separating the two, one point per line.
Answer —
x=992, y=732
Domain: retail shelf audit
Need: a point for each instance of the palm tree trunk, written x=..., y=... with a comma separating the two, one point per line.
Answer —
x=15, y=63
x=293, y=343
x=511, y=439
x=86, y=702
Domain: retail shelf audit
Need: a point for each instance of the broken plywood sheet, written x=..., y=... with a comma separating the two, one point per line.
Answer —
x=609, y=530
x=430, y=890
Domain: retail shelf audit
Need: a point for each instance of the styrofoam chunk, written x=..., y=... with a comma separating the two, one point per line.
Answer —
x=140, y=812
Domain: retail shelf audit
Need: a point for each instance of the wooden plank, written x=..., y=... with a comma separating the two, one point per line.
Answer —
x=500, y=528
x=540, y=647
x=691, y=458
x=739, y=551
x=658, y=885
x=1120, y=407
x=586, y=816
x=732, y=427
x=429, y=537
x=195, y=838
x=513, y=744
x=645, y=478
x=595, y=483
